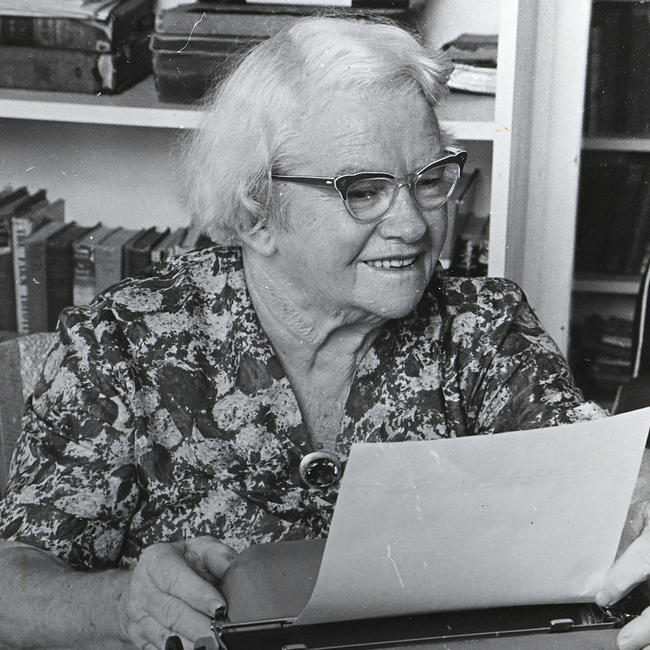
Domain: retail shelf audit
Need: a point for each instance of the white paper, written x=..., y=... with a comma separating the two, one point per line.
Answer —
x=528, y=517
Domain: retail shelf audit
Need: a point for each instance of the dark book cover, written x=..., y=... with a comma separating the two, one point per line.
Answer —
x=637, y=101
x=598, y=192
x=9, y=201
x=125, y=20
x=138, y=251
x=168, y=246
x=36, y=68
x=84, y=288
x=477, y=49
x=110, y=257
x=623, y=218
x=7, y=291
x=59, y=261
x=36, y=272
x=259, y=19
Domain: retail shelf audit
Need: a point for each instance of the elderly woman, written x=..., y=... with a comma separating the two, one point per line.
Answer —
x=184, y=416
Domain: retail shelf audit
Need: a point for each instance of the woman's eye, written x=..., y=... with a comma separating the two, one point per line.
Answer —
x=363, y=192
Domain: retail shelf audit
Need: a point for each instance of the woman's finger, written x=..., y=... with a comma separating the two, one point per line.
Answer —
x=636, y=634
x=632, y=568
x=177, y=616
x=169, y=572
x=209, y=556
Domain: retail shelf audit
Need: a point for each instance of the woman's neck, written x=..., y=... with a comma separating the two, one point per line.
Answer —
x=304, y=336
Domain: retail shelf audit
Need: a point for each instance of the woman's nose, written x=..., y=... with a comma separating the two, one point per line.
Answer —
x=404, y=220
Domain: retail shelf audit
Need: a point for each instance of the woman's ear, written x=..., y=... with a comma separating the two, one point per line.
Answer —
x=260, y=238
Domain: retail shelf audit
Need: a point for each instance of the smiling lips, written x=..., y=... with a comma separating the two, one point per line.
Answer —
x=391, y=263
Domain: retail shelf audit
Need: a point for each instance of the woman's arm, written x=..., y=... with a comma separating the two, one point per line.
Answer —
x=44, y=603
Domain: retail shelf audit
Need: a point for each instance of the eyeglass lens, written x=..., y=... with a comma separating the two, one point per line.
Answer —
x=370, y=198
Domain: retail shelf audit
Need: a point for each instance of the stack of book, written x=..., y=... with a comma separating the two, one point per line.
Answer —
x=50, y=264
x=618, y=83
x=96, y=46
x=612, y=364
x=196, y=44
x=474, y=58
x=604, y=354
x=613, y=222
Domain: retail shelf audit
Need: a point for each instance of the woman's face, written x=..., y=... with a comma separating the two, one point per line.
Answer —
x=328, y=260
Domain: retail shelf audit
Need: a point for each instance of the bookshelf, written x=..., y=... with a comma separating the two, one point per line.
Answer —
x=113, y=157
x=600, y=294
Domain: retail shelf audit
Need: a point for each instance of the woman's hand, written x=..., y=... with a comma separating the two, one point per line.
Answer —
x=173, y=592
x=629, y=570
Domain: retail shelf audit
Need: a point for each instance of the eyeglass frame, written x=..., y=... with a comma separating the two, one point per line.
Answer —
x=343, y=182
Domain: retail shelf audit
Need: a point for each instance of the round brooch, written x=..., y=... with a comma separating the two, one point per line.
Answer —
x=320, y=469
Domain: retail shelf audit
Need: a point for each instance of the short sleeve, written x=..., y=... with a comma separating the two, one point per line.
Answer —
x=513, y=375
x=72, y=487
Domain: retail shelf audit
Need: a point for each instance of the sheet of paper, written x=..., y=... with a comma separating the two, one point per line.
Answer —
x=485, y=521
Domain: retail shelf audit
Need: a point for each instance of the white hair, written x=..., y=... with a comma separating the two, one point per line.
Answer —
x=250, y=116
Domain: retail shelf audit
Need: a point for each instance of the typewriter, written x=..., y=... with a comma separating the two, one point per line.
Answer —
x=269, y=584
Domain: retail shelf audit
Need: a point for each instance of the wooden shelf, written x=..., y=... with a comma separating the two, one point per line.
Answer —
x=599, y=283
x=466, y=117
x=617, y=143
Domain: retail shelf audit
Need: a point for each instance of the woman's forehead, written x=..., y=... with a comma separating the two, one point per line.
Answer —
x=379, y=130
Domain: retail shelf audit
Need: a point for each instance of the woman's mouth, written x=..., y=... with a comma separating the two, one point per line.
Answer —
x=391, y=262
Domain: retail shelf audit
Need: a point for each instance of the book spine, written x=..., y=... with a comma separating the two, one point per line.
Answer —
x=108, y=266
x=60, y=281
x=37, y=294
x=21, y=228
x=50, y=32
x=73, y=71
x=83, y=290
x=7, y=291
x=223, y=24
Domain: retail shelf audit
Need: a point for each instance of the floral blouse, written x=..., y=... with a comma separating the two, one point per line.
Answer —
x=163, y=412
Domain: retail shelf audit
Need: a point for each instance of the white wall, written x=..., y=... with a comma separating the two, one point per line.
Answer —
x=124, y=176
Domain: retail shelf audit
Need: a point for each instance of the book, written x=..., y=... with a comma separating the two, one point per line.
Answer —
x=640, y=235
x=168, y=246
x=598, y=191
x=623, y=217
x=253, y=19
x=84, y=290
x=99, y=9
x=110, y=257
x=59, y=262
x=37, y=68
x=36, y=272
x=138, y=251
x=125, y=19
x=474, y=58
x=9, y=201
x=637, y=100
x=32, y=214
x=194, y=239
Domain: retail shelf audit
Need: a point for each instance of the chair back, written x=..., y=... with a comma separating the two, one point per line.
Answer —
x=21, y=360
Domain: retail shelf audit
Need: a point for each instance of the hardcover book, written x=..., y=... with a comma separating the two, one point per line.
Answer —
x=29, y=217
x=84, y=289
x=59, y=261
x=36, y=271
x=138, y=251
x=8, y=202
x=168, y=246
x=106, y=34
x=256, y=19
x=110, y=257
x=74, y=70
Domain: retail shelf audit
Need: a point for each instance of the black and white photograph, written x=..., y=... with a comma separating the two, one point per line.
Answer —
x=324, y=325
